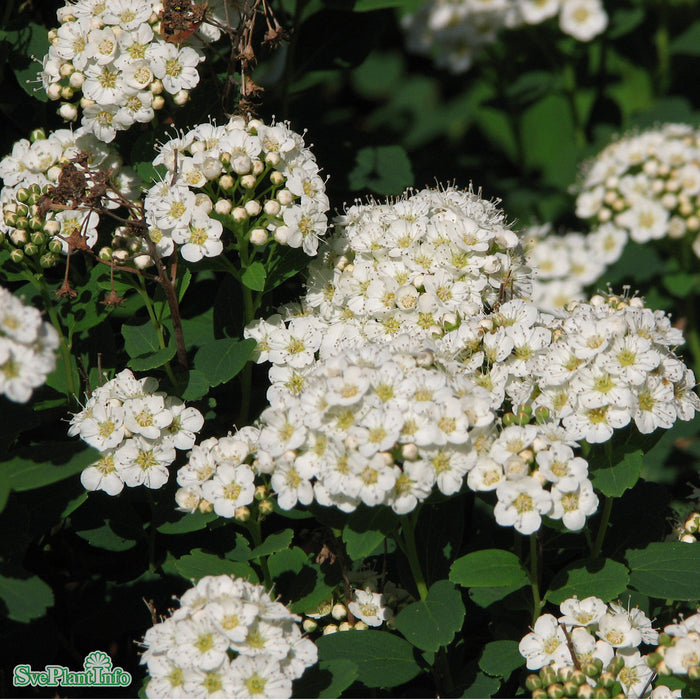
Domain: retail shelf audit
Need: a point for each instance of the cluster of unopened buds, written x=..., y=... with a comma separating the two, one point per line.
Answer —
x=137, y=429
x=228, y=638
x=30, y=225
x=27, y=348
x=455, y=32
x=115, y=61
x=646, y=186
x=258, y=182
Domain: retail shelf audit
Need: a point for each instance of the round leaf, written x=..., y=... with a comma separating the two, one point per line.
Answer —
x=605, y=579
x=488, y=568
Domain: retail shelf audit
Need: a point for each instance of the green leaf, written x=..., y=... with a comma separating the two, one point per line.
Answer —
x=666, y=570
x=432, y=623
x=688, y=42
x=39, y=466
x=287, y=560
x=29, y=42
x=680, y=284
x=484, y=597
x=366, y=529
x=501, y=658
x=198, y=564
x=153, y=360
x=624, y=21
x=383, y=169
x=189, y=522
x=140, y=340
x=383, y=659
x=25, y=598
x=254, y=276
x=274, y=543
x=197, y=386
x=483, y=687
x=327, y=679
x=603, y=578
x=183, y=284
x=488, y=568
x=104, y=537
x=616, y=479
x=221, y=360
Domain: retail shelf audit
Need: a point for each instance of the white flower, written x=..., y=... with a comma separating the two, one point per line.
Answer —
x=521, y=504
x=618, y=631
x=545, y=644
x=145, y=462
x=369, y=607
x=103, y=475
x=175, y=67
x=229, y=488
x=582, y=19
x=572, y=502
x=584, y=612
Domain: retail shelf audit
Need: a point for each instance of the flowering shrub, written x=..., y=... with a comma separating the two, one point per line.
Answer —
x=418, y=446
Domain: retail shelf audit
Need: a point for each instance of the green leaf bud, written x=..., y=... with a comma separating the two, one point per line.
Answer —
x=548, y=676
x=694, y=673
x=616, y=665
x=31, y=249
x=11, y=219
x=585, y=690
x=17, y=255
x=48, y=260
x=590, y=669
x=36, y=224
x=570, y=689
x=578, y=677
x=509, y=419
x=601, y=692
x=55, y=245
x=533, y=681
x=607, y=679
x=555, y=691
x=539, y=693
x=22, y=210
x=22, y=195
x=22, y=223
x=37, y=135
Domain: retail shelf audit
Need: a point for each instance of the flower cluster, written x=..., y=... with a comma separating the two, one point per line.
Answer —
x=116, y=56
x=219, y=475
x=679, y=649
x=592, y=644
x=611, y=362
x=646, y=186
x=258, y=181
x=31, y=170
x=564, y=265
x=382, y=424
x=227, y=639
x=137, y=429
x=27, y=348
x=418, y=265
x=454, y=32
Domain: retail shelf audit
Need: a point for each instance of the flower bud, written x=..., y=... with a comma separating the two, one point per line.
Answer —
x=555, y=691
x=53, y=91
x=241, y=164
x=105, y=254
x=692, y=524
x=282, y=234
x=156, y=87
x=260, y=492
x=344, y=627
x=258, y=236
x=76, y=80
x=141, y=262
x=226, y=182
x=67, y=92
x=570, y=689
x=266, y=507
x=48, y=260
x=239, y=214
x=31, y=249
x=360, y=625
x=158, y=102
x=539, y=693
x=578, y=677
x=242, y=513
x=38, y=238
x=533, y=682
x=258, y=167
x=600, y=692
x=22, y=195
x=223, y=207
x=276, y=178
x=273, y=158
x=409, y=451
x=248, y=182
x=285, y=197
x=272, y=207
x=181, y=97
x=253, y=207
x=585, y=691
x=339, y=611
x=607, y=679
x=548, y=675
x=17, y=255
x=309, y=625
x=615, y=666
x=330, y=629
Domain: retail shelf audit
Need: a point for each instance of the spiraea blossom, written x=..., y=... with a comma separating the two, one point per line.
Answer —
x=111, y=60
x=454, y=32
x=418, y=265
x=219, y=475
x=565, y=264
x=605, y=641
x=137, y=429
x=646, y=186
x=228, y=638
x=31, y=168
x=27, y=348
x=244, y=180
x=679, y=651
